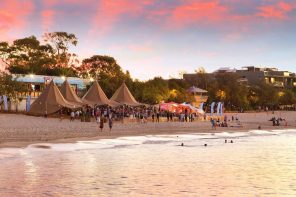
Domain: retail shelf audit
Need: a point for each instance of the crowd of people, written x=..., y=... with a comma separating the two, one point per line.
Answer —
x=277, y=121
x=104, y=114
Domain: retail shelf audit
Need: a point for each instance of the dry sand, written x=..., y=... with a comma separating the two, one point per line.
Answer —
x=21, y=130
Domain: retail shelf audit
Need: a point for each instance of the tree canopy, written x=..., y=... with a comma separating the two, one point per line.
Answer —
x=52, y=56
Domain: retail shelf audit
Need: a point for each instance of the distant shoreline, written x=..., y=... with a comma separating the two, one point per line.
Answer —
x=20, y=130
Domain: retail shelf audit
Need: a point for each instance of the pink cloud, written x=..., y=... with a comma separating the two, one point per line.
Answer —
x=110, y=12
x=13, y=16
x=47, y=19
x=279, y=10
x=49, y=12
x=204, y=12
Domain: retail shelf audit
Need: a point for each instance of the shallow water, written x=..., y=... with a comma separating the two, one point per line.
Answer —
x=258, y=163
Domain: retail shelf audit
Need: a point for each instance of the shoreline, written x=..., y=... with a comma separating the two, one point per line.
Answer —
x=20, y=131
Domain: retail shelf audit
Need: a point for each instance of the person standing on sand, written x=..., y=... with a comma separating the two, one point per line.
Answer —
x=110, y=121
x=213, y=123
x=61, y=115
x=72, y=116
x=101, y=123
x=157, y=116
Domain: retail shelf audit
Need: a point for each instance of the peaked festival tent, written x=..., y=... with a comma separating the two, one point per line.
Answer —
x=96, y=96
x=50, y=101
x=69, y=94
x=123, y=96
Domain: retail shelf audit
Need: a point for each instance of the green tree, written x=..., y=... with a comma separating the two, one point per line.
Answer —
x=268, y=95
x=155, y=90
x=10, y=87
x=203, y=79
x=60, y=42
x=26, y=56
x=287, y=97
x=230, y=91
x=178, y=91
x=106, y=70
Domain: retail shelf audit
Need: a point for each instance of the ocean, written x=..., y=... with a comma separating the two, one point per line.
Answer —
x=257, y=163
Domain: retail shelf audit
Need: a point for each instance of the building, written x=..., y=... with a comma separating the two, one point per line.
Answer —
x=272, y=76
x=200, y=96
x=37, y=83
x=252, y=75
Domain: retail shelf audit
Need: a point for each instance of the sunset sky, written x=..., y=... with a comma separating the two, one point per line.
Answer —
x=162, y=37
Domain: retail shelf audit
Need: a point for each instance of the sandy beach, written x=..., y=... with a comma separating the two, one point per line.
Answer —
x=21, y=130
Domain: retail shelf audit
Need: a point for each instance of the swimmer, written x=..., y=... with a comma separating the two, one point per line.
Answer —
x=182, y=144
x=205, y=144
x=259, y=127
x=231, y=141
x=225, y=141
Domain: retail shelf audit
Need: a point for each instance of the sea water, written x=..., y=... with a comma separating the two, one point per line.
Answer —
x=257, y=163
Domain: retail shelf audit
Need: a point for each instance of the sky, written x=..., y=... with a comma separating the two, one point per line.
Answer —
x=164, y=37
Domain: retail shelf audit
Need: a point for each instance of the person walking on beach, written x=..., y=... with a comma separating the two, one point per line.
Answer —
x=213, y=123
x=101, y=123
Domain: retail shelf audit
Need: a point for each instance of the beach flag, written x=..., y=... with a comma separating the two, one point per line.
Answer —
x=201, y=106
x=221, y=109
x=218, y=108
x=212, y=108
x=28, y=103
x=5, y=103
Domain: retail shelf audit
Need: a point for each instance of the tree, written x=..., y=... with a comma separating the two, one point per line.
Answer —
x=155, y=91
x=26, y=56
x=4, y=52
x=178, y=91
x=267, y=95
x=106, y=70
x=60, y=42
x=230, y=91
x=203, y=79
x=288, y=97
x=10, y=87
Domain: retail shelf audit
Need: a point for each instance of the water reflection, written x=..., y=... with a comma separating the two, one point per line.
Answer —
x=255, y=164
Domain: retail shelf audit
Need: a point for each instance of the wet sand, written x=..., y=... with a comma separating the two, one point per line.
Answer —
x=21, y=130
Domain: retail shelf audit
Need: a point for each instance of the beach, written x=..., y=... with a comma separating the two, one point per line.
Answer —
x=21, y=130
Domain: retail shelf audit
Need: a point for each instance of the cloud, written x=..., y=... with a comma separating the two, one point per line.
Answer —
x=53, y=9
x=202, y=12
x=47, y=19
x=13, y=16
x=279, y=10
x=109, y=12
